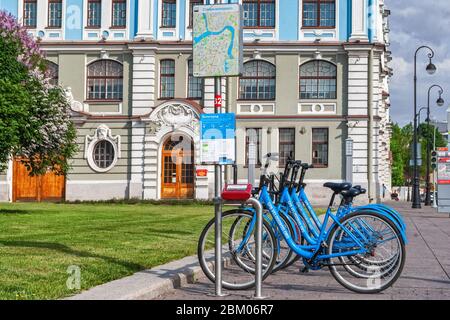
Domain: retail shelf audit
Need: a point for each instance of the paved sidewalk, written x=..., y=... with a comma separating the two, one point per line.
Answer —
x=426, y=274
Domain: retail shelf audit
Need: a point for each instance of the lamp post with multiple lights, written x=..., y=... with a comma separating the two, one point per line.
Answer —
x=431, y=69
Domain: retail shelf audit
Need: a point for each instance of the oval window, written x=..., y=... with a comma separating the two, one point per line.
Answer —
x=103, y=154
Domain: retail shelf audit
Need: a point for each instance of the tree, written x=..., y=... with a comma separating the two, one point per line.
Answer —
x=401, y=148
x=34, y=115
x=401, y=141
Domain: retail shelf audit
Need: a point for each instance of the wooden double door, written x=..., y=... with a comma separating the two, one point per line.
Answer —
x=177, y=174
x=47, y=187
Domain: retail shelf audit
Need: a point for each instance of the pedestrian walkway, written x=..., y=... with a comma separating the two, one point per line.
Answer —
x=426, y=274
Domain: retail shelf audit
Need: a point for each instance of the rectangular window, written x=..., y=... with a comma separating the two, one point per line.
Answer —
x=319, y=13
x=258, y=133
x=193, y=3
x=169, y=14
x=286, y=145
x=119, y=13
x=320, y=147
x=195, y=85
x=30, y=13
x=259, y=13
x=94, y=18
x=167, y=79
x=54, y=13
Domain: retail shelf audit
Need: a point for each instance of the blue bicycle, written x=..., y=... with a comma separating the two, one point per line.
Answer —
x=364, y=249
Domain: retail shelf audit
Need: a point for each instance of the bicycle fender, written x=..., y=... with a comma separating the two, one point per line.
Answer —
x=388, y=216
x=383, y=208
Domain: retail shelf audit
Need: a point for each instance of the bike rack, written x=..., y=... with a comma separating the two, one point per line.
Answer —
x=258, y=230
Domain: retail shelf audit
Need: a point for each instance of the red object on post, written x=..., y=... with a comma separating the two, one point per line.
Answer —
x=218, y=101
x=237, y=192
x=202, y=172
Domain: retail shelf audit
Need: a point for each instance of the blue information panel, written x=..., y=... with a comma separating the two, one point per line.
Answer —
x=218, y=138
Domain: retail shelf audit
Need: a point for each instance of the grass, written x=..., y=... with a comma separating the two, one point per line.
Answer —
x=39, y=242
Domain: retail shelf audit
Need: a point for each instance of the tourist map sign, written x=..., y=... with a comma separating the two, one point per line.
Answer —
x=217, y=143
x=217, y=40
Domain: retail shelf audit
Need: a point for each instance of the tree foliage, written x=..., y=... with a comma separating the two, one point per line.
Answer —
x=34, y=115
x=401, y=148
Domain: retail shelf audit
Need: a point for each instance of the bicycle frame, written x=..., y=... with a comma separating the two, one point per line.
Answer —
x=311, y=250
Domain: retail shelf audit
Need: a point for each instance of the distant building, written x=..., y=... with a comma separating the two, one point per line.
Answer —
x=307, y=86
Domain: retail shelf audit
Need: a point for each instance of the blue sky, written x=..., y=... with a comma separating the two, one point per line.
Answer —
x=414, y=23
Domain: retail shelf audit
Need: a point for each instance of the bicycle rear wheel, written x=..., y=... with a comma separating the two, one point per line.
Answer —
x=380, y=266
x=238, y=250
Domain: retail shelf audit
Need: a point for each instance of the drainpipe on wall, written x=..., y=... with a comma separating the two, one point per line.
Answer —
x=371, y=186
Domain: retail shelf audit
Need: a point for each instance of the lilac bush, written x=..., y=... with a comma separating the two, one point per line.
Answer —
x=34, y=115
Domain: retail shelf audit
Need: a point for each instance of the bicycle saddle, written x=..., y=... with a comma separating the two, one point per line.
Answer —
x=338, y=187
x=351, y=193
x=361, y=189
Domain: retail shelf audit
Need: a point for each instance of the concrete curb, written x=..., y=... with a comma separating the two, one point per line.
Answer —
x=149, y=283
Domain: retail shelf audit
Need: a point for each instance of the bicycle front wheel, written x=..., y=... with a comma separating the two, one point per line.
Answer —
x=238, y=250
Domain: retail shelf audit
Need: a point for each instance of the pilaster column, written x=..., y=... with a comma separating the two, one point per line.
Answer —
x=359, y=20
x=145, y=21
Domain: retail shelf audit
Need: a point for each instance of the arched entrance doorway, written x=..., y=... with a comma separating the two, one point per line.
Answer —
x=177, y=168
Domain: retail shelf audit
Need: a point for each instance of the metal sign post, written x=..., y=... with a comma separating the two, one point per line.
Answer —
x=212, y=25
x=217, y=200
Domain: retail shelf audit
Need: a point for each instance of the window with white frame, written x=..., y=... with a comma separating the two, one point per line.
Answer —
x=30, y=13
x=169, y=14
x=319, y=13
x=94, y=15
x=119, y=13
x=54, y=13
x=259, y=13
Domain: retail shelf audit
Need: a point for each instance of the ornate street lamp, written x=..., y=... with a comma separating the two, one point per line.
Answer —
x=440, y=102
x=431, y=69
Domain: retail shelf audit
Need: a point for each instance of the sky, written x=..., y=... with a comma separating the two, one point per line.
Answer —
x=414, y=23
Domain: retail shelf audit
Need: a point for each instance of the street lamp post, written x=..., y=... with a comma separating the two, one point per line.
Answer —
x=440, y=103
x=431, y=69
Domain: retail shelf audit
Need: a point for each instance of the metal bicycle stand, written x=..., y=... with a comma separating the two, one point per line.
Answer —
x=258, y=237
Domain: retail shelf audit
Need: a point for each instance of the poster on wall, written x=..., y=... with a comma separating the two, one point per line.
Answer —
x=218, y=138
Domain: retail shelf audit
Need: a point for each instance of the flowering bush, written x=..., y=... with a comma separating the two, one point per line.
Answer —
x=34, y=115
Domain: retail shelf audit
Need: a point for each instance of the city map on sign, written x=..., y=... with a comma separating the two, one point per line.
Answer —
x=217, y=40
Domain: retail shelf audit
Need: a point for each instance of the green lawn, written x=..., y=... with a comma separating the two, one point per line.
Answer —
x=38, y=242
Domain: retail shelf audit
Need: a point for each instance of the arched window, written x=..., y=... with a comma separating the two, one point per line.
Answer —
x=105, y=80
x=257, y=81
x=167, y=79
x=318, y=80
x=52, y=72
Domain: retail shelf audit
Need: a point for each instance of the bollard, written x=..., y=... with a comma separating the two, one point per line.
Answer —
x=258, y=237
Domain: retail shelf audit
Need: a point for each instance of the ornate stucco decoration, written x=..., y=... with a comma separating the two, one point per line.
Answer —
x=101, y=133
x=174, y=115
x=74, y=105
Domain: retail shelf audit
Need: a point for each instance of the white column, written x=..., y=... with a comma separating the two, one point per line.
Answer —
x=357, y=107
x=143, y=92
x=359, y=20
x=145, y=23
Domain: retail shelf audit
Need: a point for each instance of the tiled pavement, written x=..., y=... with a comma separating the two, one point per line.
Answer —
x=426, y=274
